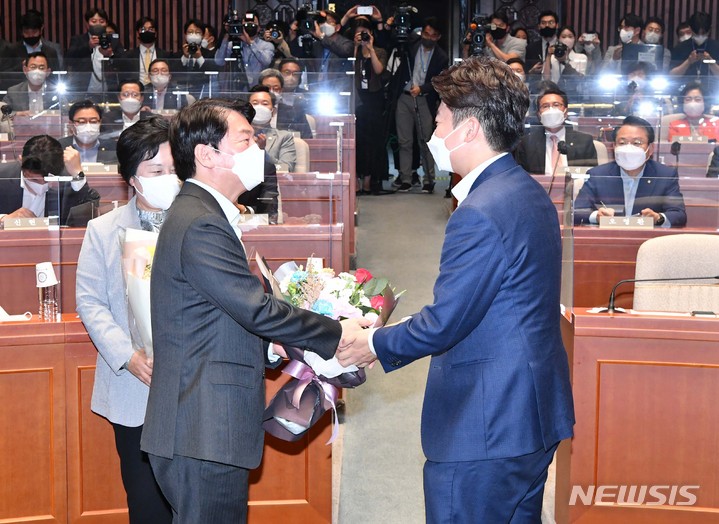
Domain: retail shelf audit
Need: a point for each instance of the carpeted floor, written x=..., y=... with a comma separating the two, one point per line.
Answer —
x=378, y=462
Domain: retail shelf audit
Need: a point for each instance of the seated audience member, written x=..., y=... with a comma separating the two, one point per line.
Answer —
x=684, y=32
x=517, y=65
x=695, y=122
x=32, y=26
x=537, y=50
x=538, y=151
x=162, y=97
x=696, y=56
x=292, y=106
x=136, y=62
x=32, y=197
x=633, y=184
x=130, y=111
x=124, y=369
x=500, y=44
x=278, y=145
x=85, y=119
x=34, y=94
x=86, y=64
x=286, y=117
x=630, y=31
x=653, y=33
x=590, y=44
x=195, y=61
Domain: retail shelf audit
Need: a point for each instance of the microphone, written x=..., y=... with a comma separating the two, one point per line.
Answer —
x=611, y=309
x=675, y=150
x=562, y=149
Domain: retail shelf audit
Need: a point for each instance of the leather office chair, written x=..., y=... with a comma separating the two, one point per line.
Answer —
x=678, y=256
x=602, y=153
x=313, y=125
x=302, y=164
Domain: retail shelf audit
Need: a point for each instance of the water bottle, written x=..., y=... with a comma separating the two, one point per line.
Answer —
x=49, y=308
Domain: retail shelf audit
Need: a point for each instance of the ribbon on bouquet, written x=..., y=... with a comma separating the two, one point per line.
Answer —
x=306, y=375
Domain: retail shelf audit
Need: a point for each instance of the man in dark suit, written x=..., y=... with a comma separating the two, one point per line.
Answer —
x=633, y=184
x=35, y=94
x=537, y=49
x=417, y=102
x=212, y=322
x=498, y=398
x=33, y=196
x=32, y=26
x=162, y=96
x=85, y=118
x=132, y=109
x=538, y=151
x=136, y=62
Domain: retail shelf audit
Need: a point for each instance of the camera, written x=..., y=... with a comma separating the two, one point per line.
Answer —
x=274, y=29
x=560, y=50
x=306, y=19
x=191, y=48
x=477, y=38
x=105, y=41
x=402, y=27
x=364, y=36
x=249, y=25
x=234, y=26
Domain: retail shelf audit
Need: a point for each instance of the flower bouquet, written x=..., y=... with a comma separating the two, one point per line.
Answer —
x=300, y=403
x=137, y=254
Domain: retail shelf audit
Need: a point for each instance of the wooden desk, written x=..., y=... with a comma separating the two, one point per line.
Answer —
x=644, y=393
x=58, y=461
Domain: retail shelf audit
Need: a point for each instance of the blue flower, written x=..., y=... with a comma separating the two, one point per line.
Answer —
x=323, y=307
x=299, y=276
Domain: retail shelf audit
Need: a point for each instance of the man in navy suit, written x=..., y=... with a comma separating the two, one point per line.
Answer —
x=498, y=399
x=633, y=184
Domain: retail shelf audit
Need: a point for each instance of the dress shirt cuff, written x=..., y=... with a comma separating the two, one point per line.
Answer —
x=272, y=357
x=593, y=218
x=370, y=342
x=666, y=223
x=184, y=60
x=77, y=185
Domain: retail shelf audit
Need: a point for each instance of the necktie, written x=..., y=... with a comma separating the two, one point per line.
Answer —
x=555, y=153
x=148, y=59
x=546, y=50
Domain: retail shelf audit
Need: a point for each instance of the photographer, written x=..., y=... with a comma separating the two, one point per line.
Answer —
x=274, y=33
x=417, y=101
x=562, y=65
x=195, y=60
x=500, y=44
x=242, y=41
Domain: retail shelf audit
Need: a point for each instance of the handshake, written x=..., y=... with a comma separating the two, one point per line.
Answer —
x=354, y=344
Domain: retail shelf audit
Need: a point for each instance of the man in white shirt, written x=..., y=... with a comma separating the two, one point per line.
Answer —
x=136, y=62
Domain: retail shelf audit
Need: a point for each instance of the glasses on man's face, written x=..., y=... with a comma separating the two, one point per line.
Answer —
x=555, y=105
x=36, y=67
x=82, y=121
x=547, y=23
x=147, y=30
x=288, y=74
x=636, y=142
x=130, y=94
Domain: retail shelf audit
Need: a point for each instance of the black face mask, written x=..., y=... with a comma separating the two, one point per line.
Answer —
x=498, y=33
x=147, y=37
x=32, y=40
x=548, y=32
x=428, y=44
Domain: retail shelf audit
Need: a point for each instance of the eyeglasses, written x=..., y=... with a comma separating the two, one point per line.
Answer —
x=547, y=105
x=292, y=73
x=545, y=23
x=82, y=121
x=147, y=30
x=36, y=67
x=638, y=142
x=130, y=94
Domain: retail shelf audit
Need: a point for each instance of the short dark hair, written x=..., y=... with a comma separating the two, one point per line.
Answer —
x=32, y=19
x=683, y=25
x=35, y=54
x=694, y=85
x=500, y=15
x=517, y=60
x=290, y=60
x=488, y=90
x=99, y=11
x=142, y=21
x=517, y=30
x=551, y=90
x=548, y=12
x=645, y=67
x=632, y=20
x=635, y=121
x=131, y=81
x=433, y=22
x=565, y=28
x=83, y=104
x=655, y=20
x=212, y=30
x=160, y=60
x=264, y=89
x=203, y=122
x=700, y=21
x=140, y=142
x=194, y=21
x=43, y=154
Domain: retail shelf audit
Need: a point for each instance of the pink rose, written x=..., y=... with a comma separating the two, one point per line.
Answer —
x=377, y=302
x=362, y=276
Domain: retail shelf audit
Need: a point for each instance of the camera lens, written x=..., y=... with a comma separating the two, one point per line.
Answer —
x=364, y=36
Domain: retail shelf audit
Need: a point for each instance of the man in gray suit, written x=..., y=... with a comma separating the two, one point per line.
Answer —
x=34, y=94
x=278, y=144
x=212, y=323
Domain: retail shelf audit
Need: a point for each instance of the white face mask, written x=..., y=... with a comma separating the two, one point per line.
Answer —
x=652, y=38
x=552, y=118
x=249, y=166
x=193, y=39
x=327, y=29
x=205, y=43
x=36, y=77
x=700, y=39
x=569, y=42
x=263, y=115
x=87, y=133
x=160, y=81
x=684, y=38
x=693, y=109
x=441, y=154
x=159, y=191
x=589, y=47
x=626, y=35
x=630, y=157
x=638, y=80
x=130, y=105
x=520, y=75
